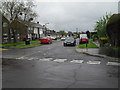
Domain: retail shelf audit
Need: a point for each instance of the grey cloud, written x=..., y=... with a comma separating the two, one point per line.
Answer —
x=69, y=16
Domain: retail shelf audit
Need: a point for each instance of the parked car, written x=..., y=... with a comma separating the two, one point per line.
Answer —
x=83, y=39
x=63, y=38
x=45, y=40
x=69, y=41
x=53, y=38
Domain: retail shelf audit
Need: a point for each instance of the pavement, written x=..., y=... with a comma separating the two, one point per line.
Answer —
x=94, y=51
x=56, y=66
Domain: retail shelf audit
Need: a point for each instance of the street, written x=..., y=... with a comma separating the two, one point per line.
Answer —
x=56, y=66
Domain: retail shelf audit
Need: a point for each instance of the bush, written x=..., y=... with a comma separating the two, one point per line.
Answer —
x=104, y=41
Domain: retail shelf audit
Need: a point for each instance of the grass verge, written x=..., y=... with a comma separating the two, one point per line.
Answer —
x=22, y=44
x=27, y=46
x=11, y=44
x=90, y=45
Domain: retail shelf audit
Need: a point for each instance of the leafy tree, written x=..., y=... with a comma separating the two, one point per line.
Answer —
x=113, y=30
x=18, y=10
x=100, y=26
x=88, y=34
x=62, y=32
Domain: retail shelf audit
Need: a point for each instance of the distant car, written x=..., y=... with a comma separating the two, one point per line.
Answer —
x=83, y=39
x=63, y=38
x=45, y=40
x=69, y=41
x=53, y=38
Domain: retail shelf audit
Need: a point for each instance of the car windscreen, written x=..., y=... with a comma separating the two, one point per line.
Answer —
x=84, y=37
x=44, y=38
x=69, y=39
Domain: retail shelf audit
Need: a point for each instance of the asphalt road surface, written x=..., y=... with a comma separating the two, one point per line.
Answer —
x=56, y=66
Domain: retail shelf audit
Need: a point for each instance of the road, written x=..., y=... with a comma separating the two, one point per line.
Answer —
x=56, y=66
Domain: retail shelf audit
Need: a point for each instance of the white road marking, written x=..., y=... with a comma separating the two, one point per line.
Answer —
x=73, y=61
x=93, y=62
x=27, y=58
x=77, y=61
x=113, y=63
x=21, y=58
x=60, y=60
x=30, y=58
x=33, y=58
x=46, y=59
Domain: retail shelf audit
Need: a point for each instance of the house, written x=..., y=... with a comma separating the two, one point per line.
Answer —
x=35, y=30
x=13, y=31
x=51, y=33
x=19, y=30
x=5, y=29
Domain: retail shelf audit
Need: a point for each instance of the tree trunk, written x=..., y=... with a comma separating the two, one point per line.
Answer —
x=9, y=36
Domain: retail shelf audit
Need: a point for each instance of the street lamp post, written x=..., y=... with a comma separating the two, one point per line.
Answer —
x=45, y=28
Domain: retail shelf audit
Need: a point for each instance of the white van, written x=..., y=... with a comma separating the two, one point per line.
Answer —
x=83, y=39
x=83, y=35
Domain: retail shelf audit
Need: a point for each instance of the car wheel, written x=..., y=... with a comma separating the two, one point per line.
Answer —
x=64, y=44
x=74, y=44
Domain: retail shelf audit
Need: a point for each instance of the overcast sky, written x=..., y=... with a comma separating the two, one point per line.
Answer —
x=71, y=15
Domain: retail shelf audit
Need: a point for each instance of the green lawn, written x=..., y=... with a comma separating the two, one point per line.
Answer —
x=90, y=45
x=10, y=44
x=32, y=44
x=26, y=46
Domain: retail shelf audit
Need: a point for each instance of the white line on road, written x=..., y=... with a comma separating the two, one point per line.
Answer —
x=30, y=58
x=46, y=59
x=60, y=60
x=21, y=58
x=113, y=63
x=73, y=61
x=93, y=62
x=77, y=61
x=28, y=55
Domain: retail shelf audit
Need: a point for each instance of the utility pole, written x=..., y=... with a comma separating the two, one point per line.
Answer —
x=45, y=28
x=77, y=32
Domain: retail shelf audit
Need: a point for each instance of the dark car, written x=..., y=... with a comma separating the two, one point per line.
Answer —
x=69, y=41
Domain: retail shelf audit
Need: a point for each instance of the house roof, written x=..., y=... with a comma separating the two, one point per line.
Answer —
x=37, y=25
x=4, y=19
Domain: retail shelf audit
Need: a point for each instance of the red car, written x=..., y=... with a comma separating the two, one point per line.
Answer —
x=45, y=40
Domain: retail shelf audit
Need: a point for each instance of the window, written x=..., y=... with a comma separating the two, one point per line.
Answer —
x=5, y=24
